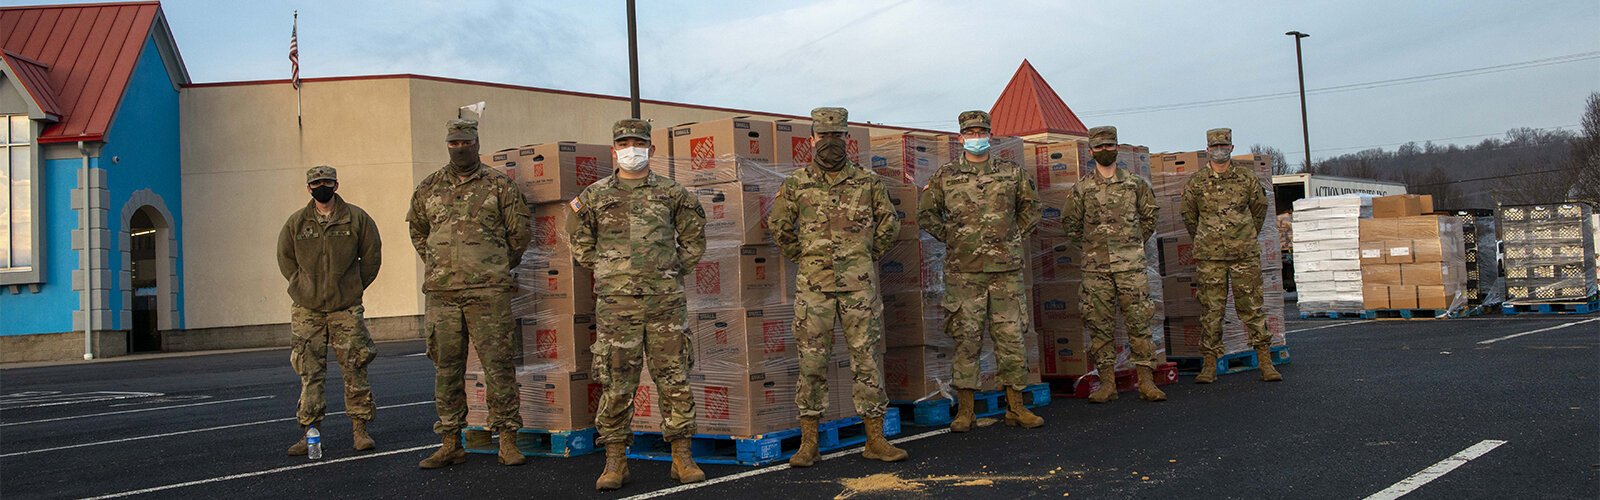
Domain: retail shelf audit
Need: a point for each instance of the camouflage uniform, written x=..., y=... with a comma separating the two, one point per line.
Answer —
x=329, y=260
x=1112, y=218
x=1224, y=212
x=640, y=238
x=470, y=225
x=983, y=212
x=835, y=226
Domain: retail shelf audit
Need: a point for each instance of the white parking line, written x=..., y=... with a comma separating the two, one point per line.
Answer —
x=1434, y=471
x=58, y=419
x=1328, y=326
x=264, y=472
x=1557, y=327
x=784, y=466
x=72, y=399
x=180, y=433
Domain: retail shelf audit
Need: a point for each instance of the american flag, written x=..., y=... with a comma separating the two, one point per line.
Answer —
x=294, y=51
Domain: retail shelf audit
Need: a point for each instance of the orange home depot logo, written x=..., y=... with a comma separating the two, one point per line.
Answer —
x=770, y=396
x=761, y=271
x=716, y=403
x=546, y=345
x=594, y=397
x=851, y=149
x=553, y=284
x=719, y=211
x=643, y=404
x=544, y=229
x=538, y=169
x=897, y=374
x=773, y=336
x=1186, y=254
x=766, y=208
x=588, y=170
x=755, y=146
x=703, y=153
x=708, y=278
x=549, y=396
x=801, y=146
x=719, y=333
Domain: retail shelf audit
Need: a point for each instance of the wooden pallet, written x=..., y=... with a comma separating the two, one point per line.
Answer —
x=1584, y=307
x=987, y=404
x=761, y=449
x=532, y=442
x=1079, y=386
x=1233, y=363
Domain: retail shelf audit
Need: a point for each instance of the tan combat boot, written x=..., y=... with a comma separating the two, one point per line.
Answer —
x=1017, y=413
x=449, y=453
x=298, y=449
x=1208, y=370
x=1269, y=373
x=509, y=454
x=1108, y=385
x=964, y=417
x=879, y=448
x=684, y=469
x=358, y=431
x=616, y=473
x=807, y=454
x=1147, y=386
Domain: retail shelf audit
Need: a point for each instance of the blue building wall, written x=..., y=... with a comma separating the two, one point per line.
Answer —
x=50, y=310
x=144, y=137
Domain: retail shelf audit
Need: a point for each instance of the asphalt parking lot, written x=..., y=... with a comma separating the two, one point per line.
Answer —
x=1368, y=407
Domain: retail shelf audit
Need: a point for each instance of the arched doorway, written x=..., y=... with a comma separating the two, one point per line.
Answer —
x=147, y=255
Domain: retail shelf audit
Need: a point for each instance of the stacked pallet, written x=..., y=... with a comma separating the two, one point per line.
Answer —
x=1549, y=253
x=1480, y=237
x=1327, y=253
x=1410, y=261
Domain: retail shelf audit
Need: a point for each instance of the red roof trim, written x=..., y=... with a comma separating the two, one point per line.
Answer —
x=34, y=77
x=534, y=89
x=79, y=5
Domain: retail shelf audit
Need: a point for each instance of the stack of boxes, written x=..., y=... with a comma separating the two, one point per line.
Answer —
x=1480, y=237
x=1327, y=252
x=1409, y=260
x=1170, y=173
x=1549, y=252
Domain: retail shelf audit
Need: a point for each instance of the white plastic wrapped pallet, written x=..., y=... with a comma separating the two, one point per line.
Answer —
x=1326, y=251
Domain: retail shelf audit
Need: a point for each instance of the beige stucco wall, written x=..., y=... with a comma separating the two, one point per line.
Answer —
x=245, y=160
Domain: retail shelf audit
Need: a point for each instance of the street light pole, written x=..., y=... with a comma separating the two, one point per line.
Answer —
x=1305, y=128
x=633, y=61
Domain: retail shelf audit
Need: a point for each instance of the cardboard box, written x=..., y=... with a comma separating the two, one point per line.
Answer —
x=909, y=158
x=1430, y=273
x=736, y=212
x=1177, y=256
x=1433, y=297
x=904, y=199
x=1181, y=165
x=1056, y=304
x=1372, y=252
x=1057, y=260
x=1180, y=294
x=1432, y=250
x=912, y=266
x=911, y=373
x=1064, y=351
x=1401, y=205
x=1059, y=165
x=560, y=341
x=549, y=245
x=791, y=144
x=744, y=404
x=1397, y=252
x=1403, y=297
x=914, y=318
x=730, y=277
x=733, y=149
x=555, y=171
x=1051, y=203
x=742, y=339
x=1382, y=274
x=1374, y=296
x=1183, y=336
x=563, y=290
x=557, y=399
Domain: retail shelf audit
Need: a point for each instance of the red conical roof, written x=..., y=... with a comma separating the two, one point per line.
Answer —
x=1029, y=106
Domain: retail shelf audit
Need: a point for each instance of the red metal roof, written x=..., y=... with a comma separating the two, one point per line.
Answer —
x=34, y=77
x=89, y=51
x=1029, y=106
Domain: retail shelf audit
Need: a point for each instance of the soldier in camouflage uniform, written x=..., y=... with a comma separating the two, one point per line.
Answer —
x=640, y=233
x=834, y=220
x=1223, y=208
x=1112, y=213
x=983, y=209
x=470, y=225
x=330, y=252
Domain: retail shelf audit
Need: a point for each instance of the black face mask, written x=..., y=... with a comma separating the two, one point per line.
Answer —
x=464, y=160
x=1106, y=158
x=831, y=153
x=322, y=193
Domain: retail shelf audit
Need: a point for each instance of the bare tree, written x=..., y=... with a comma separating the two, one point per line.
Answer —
x=1586, y=154
x=1280, y=164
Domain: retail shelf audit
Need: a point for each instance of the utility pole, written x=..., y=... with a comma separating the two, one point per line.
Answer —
x=1305, y=128
x=633, y=60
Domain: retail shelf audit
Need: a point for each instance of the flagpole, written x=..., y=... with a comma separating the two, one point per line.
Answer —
x=294, y=42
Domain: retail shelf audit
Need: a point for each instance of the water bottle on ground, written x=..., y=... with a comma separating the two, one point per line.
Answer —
x=314, y=443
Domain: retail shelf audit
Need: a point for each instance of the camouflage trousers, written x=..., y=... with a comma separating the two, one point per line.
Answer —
x=861, y=313
x=634, y=330
x=346, y=332
x=482, y=317
x=1000, y=301
x=1103, y=294
x=1215, y=278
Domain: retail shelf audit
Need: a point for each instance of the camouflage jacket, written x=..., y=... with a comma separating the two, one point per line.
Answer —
x=469, y=232
x=1112, y=219
x=1224, y=213
x=638, y=240
x=983, y=212
x=834, y=230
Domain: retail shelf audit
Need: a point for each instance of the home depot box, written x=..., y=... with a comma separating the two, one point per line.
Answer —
x=904, y=199
x=1181, y=293
x=1059, y=165
x=549, y=243
x=563, y=289
x=562, y=341
x=1177, y=255
x=791, y=145
x=719, y=151
x=742, y=339
x=557, y=399
x=736, y=276
x=912, y=372
x=736, y=212
x=555, y=171
x=1401, y=205
x=743, y=403
x=1183, y=336
x=908, y=158
x=914, y=318
x=1057, y=259
x=912, y=265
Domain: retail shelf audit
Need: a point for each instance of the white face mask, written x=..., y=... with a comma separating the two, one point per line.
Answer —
x=633, y=159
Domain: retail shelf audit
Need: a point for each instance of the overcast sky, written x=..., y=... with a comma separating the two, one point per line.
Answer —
x=920, y=62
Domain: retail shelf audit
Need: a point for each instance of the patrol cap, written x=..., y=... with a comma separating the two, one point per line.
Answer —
x=1219, y=136
x=630, y=127
x=825, y=120
x=1102, y=136
x=461, y=130
x=974, y=118
x=321, y=172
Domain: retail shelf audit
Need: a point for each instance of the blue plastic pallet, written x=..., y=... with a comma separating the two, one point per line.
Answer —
x=939, y=412
x=533, y=442
x=1233, y=363
x=1330, y=315
x=1553, y=308
x=1414, y=314
x=762, y=449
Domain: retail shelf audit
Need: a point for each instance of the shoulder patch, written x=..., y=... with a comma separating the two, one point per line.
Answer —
x=576, y=204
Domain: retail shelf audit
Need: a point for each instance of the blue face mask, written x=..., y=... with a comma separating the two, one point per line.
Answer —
x=977, y=146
